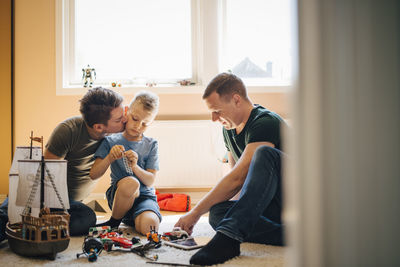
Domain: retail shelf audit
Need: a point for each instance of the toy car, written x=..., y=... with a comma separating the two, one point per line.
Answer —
x=175, y=234
x=99, y=230
x=115, y=239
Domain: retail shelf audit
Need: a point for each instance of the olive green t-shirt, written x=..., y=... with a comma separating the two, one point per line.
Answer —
x=262, y=126
x=70, y=140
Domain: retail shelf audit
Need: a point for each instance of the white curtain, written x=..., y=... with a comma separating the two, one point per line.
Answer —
x=342, y=185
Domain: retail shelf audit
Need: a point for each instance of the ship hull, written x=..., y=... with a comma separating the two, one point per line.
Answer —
x=29, y=248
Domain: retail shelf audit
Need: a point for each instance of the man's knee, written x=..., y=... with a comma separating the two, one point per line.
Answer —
x=267, y=152
x=4, y=210
x=214, y=218
x=217, y=213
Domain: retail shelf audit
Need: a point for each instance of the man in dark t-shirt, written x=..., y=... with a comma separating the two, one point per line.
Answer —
x=76, y=140
x=246, y=205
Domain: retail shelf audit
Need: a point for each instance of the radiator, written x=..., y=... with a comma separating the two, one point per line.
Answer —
x=190, y=153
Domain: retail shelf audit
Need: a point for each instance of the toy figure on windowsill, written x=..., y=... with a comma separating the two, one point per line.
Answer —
x=88, y=75
x=186, y=83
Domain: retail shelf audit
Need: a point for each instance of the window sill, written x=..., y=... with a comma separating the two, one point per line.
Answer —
x=169, y=90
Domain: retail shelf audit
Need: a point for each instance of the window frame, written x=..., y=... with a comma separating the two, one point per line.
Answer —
x=205, y=57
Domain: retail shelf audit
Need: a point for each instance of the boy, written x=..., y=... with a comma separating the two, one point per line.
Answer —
x=134, y=162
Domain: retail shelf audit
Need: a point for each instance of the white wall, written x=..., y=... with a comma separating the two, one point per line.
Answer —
x=190, y=153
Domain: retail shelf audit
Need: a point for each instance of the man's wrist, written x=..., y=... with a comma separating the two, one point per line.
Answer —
x=195, y=212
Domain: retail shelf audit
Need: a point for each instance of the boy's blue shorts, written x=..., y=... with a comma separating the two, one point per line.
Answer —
x=141, y=204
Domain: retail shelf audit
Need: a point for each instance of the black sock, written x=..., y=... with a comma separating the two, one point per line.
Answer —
x=220, y=249
x=113, y=223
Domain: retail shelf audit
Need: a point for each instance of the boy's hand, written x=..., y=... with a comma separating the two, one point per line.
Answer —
x=116, y=152
x=132, y=156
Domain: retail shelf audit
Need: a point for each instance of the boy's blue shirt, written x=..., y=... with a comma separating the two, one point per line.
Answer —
x=147, y=150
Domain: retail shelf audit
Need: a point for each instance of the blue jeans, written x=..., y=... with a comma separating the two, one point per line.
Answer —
x=82, y=217
x=256, y=215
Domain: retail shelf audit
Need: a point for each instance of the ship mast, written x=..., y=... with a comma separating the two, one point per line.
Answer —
x=42, y=166
x=30, y=150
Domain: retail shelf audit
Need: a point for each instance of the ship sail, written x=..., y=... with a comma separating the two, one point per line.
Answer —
x=55, y=192
x=21, y=152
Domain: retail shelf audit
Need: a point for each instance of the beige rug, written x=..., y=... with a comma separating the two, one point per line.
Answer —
x=251, y=254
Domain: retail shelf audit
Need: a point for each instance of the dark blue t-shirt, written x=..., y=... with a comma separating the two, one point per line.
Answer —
x=262, y=126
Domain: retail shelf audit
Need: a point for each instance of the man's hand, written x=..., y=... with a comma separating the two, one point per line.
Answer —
x=133, y=157
x=187, y=222
x=116, y=153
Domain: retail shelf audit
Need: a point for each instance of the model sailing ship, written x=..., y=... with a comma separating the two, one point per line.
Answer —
x=47, y=233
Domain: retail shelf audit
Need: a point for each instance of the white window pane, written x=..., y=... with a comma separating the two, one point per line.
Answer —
x=128, y=39
x=256, y=40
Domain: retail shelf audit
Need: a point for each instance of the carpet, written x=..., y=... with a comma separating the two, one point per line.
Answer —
x=251, y=254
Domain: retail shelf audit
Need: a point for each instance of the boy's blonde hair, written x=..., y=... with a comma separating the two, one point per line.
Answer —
x=149, y=101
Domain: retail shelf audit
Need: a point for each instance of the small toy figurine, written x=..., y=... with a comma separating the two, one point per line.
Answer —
x=186, y=83
x=150, y=84
x=175, y=234
x=88, y=75
x=115, y=84
x=153, y=237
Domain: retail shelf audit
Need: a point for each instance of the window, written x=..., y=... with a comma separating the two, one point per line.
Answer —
x=162, y=42
x=133, y=40
x=256, y=40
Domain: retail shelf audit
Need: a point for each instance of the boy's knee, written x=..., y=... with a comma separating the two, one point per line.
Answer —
x=144, y=221
x=128, y=187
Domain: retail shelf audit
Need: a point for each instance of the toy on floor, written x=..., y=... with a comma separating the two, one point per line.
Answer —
x=91, y=248
x=175, y=234
x=104, y=238
x=153, y=237
x=109, y=238
x=154, y=242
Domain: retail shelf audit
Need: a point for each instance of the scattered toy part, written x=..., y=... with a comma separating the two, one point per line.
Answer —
x=175, y=234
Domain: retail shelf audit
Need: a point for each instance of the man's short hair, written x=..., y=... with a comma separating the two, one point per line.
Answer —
x=147, y=99
x=225, y=85
x=97, y=104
